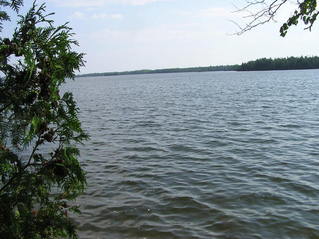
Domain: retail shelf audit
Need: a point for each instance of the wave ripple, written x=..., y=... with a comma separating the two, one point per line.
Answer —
x=201, y=155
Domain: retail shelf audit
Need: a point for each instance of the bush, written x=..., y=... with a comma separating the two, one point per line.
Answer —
x=37, y=184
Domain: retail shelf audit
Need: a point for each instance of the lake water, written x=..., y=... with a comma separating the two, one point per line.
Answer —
x=224, y=155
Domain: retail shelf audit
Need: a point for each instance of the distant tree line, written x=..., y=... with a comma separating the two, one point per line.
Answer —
x=169, y=70
x=262, y=64
x=289, y=63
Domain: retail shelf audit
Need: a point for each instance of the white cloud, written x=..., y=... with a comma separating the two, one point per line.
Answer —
x=139, y=2
x=78, y=15
x=99, y=3
x=79, y=3
x=100, y=16
x=170, y=34
x=105, y=16
x=216, y=12
x=116, y=16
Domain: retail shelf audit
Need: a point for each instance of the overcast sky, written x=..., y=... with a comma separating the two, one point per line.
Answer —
x=119, y=35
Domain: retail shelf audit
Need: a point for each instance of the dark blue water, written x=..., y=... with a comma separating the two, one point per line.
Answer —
x=201, y=155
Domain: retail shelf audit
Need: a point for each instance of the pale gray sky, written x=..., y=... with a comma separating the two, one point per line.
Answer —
x=119, y=35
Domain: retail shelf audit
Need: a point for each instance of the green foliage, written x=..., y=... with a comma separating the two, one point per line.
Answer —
x=289, y=63
x=14, y=4
x=39, y=129
x=307, y=13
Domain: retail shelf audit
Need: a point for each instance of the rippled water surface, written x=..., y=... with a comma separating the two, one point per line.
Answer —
x=201, y=155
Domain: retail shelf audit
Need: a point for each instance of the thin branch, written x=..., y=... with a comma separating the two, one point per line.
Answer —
x=32, y=153
x=266, y=14
x=5, y=107
x=23, y=168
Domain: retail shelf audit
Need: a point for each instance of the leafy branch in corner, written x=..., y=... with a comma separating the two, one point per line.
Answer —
x=259, y=12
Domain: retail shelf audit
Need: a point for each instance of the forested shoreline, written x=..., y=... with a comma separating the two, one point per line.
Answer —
x=168, y=70
x=289, y=63
x=262, y=64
